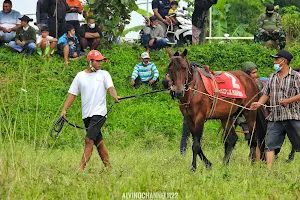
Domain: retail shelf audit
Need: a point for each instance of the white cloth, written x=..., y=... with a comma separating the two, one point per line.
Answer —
x=93, y=87
x=72, y=17
x=40, y=38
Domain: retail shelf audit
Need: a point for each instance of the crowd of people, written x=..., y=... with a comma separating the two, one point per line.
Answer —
x=59, y=30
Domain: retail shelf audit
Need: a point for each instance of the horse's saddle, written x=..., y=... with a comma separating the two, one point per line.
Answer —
x=221, y=84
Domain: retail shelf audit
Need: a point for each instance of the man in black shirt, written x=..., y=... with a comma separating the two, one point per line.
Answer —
x=56, y=10
x=160, y=9
x=90, y=35
x=199, y=19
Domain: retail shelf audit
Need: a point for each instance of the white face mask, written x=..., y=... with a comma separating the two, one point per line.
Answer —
x=71, y=35
x=92, y=26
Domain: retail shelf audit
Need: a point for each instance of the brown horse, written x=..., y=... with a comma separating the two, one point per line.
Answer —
x=197, y=107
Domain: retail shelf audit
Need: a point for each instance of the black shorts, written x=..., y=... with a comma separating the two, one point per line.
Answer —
x=94, y=133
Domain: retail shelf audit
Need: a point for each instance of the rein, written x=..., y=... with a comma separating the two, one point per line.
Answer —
x=59, y=124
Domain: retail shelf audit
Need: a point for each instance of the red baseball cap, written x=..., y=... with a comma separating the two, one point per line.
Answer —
x=95, y=55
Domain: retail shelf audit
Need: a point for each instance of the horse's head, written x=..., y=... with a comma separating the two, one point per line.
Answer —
x=179, y=73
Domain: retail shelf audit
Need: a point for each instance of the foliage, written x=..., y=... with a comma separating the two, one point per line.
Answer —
x=114, y=14
x=291, y=23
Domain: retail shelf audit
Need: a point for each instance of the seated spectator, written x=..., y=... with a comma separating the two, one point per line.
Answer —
x=145, y=72
x=153, y=36
x=68, y=45
x=72, y=16
x=46, y=43
x=90, y=35
x=41, y=15
x=270, y=27
x=25, y=37
x=9, y=22
x=173, y=10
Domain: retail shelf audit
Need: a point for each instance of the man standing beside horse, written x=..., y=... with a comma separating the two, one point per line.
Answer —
x=92, y=83
x=283, y=90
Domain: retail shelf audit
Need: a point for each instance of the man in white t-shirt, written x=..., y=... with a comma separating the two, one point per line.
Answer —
x=45, y=43
x=92, y=83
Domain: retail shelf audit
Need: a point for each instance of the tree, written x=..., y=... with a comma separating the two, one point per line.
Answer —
x=113, y=14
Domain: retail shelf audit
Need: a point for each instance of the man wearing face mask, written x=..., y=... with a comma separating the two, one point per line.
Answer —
x=270, y=27
x=90, y=36
x=93, y=84
x=153, y=37
x=283, y=90
x=144, y=73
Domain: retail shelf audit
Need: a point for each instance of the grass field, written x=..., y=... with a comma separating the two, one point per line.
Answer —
x=142, y=136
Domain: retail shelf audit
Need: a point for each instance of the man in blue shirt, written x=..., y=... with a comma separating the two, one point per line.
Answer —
x=144, y=72
x=9, y=22
x=68, y=45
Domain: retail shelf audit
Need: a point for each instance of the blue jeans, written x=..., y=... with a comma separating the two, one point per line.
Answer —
x=158, y=44
x=30, y=47
x=7, y=37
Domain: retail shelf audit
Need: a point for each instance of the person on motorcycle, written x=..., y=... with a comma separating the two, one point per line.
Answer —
x=270, y=27
x=160, y=10
x=153, y=37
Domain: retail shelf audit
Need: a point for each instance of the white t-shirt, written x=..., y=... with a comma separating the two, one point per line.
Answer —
x=93, y=87
x=40, y=38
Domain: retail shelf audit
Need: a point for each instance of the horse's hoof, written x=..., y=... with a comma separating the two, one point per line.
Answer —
x=193, y=169
x=208, y=166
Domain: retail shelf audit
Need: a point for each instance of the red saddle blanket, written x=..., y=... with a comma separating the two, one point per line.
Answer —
x=225, y=84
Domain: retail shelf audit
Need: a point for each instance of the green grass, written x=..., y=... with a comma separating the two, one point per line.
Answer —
x=142, y=135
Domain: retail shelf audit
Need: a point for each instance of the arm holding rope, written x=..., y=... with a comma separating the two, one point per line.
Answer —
x=255, y=105
x=113, y=93
x=70, y=99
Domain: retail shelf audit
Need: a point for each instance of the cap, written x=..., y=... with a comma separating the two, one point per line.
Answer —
x=283, y=54
x=145, y=55
x=25, y=18
x=153, y=18
x=95, y=55
x=270, y=8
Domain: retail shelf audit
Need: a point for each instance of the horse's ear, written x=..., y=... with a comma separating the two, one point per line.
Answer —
x=184, y=53
x=169, y=52
x=176, y=53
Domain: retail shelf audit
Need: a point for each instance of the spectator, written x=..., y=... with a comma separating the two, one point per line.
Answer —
x=9, y=22
x=90, y=35
x=41, y=15
x=160, y=9
x=153, y=37
x=145, y=72
x=46, y=43
x=173, y=8
x=283, y=90
x=68, y=45
x=72, y=16
x=25, y=37
x=270, y=27
x=51, y=7
x=93, y=84
x=199, y=19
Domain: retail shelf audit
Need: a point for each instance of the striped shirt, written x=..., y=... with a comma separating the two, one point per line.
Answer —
x=146, y=73
x=289, y=87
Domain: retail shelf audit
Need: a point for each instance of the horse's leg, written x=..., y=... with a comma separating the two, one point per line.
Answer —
x=291, y=156
x=230, y=139
x=251, y=121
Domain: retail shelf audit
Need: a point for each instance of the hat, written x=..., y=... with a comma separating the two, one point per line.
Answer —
x=145, y=55
x=283, y=54
x=44, y=29
x=270, y=8
x=153, y=18
x=25, y=18
x=248, y=67
x=95, y=55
